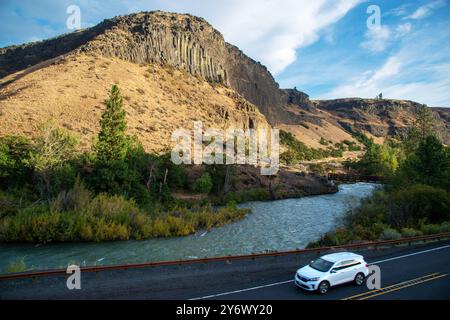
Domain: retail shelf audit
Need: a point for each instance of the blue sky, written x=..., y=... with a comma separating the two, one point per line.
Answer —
x=322, y=47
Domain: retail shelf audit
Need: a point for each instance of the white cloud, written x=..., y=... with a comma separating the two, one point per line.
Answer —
x=377, y=39
x=419, y=71
x=371, y=82
x=268, y=30
x=425, y=10
x=403, y=29
x=398, y=11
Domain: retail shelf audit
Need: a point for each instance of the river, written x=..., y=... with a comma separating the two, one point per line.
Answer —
x=272, y=226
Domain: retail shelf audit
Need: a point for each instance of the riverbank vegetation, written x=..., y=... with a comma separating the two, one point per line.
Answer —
x=416, y=197
x=297, y=151
x=51, y=192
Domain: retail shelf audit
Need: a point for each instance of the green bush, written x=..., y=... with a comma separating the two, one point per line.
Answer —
x=334, y=238
x=297, y=151
x=390, y=234
x=412, y=204
x=203, y=184
x=380, y=160
x=74, y=200
x=428, y=165
x=8, y=205
x=324, y=142
x=362, y=138
x=430, y=229
x=14, y=161
x=410, y=233
x=444, y=227
x=110, y=218
x=318, y=168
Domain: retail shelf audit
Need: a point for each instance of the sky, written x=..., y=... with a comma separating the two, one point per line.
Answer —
x=326, y=48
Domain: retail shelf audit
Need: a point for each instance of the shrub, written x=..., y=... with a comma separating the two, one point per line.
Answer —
x=411, y=204
x=445, y=227
x=390, y=234
x=335, y=238
x=74, y=200
x=160, y=228
x=8, y=205
x=203, y=184
x=430, y=229
x=324, y=142
x=298, y=151
x=410, y=233
x=318, y=168
x=429, y=165
x=52, y=149
x=381, y=160
x=14, y=159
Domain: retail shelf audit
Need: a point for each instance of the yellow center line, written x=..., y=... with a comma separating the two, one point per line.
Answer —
x=403, y=287
x=392, y=286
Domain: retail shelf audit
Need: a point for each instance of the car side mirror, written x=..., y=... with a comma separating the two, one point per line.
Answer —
x=333, y=271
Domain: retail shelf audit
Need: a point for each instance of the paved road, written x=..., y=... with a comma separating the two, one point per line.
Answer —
x=419, y=272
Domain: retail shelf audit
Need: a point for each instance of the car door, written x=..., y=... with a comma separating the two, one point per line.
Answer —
x=337, y=274
x=349, y=270
x=343, y=272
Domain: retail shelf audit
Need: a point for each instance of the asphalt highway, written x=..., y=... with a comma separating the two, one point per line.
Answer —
x=416, y=272
x=422, y=274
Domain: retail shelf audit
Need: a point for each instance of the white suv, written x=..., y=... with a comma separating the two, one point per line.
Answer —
x=332, y=270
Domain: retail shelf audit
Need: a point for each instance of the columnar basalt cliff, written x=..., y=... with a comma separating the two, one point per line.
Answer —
x=183, y=42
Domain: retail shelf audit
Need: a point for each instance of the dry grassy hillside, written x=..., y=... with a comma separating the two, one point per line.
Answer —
x=158, y=99
x=318, y=124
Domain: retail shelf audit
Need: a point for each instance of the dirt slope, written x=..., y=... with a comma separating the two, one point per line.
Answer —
x=158, y=99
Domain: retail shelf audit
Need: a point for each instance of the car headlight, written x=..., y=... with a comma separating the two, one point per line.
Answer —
x=314, y=279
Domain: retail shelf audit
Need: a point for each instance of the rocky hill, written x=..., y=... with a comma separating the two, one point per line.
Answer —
x=173, y=68
x=182, y=41
x=380, y=117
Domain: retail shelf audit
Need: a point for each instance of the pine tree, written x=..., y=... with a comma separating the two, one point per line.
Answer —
x=424, y=123
x=422, y=129
x=112, y=140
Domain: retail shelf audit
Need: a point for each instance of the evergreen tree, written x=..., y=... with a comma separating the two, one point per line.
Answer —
x=424, y=123
x=112, y=140
x=430, y=164
x=423, y=128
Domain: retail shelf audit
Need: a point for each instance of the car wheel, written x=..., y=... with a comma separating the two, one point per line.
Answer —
x=359, y=279
x=324, y=287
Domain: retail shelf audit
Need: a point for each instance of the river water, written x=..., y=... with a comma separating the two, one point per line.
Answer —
x=272, y=226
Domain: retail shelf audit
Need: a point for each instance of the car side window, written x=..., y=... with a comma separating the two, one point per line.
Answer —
x=346, y=264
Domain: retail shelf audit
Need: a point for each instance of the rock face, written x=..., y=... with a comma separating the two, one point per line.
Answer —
x=17, y=58
x=183, y=42
x=382, y=117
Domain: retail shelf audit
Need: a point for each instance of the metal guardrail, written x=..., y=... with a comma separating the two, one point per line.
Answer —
x=364, y=245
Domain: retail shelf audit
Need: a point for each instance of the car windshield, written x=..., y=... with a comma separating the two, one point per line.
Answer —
x=321, y=265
